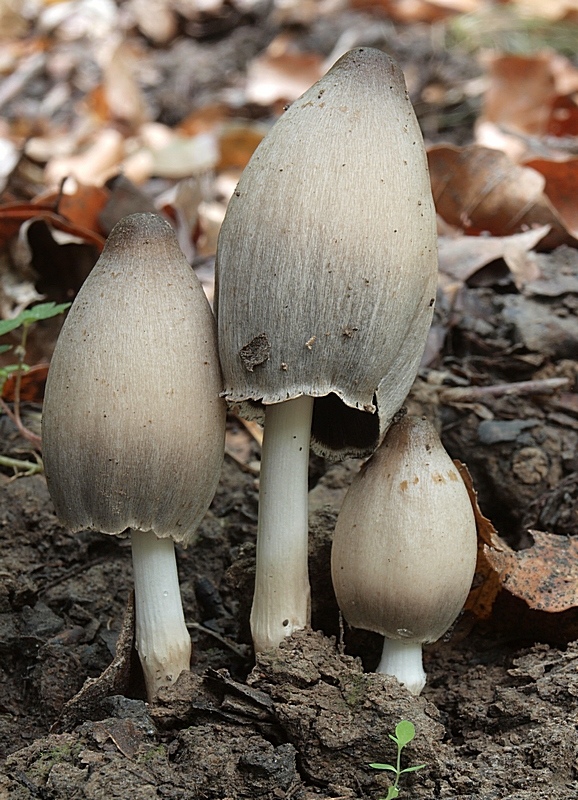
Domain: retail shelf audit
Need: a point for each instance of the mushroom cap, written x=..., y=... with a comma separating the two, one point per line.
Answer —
x=404, y=549
x=327, y=259
x=133, y=424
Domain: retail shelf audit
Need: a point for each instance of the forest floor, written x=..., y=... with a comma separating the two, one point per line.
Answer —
x=498, y=717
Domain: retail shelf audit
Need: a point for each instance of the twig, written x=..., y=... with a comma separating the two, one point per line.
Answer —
x=472, y=394
x=245, y=467
x=27, y=434
x=73, y=572
x=25, y=467
x=253, y=429
x=240, y=651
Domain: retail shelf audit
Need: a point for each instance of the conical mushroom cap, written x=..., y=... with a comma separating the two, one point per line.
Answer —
x=327, y=257
x=133, y=425
x=404, y=548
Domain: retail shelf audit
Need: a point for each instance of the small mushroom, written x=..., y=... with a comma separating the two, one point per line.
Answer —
x=404, y=549
x=326, y=282
x=133, y=425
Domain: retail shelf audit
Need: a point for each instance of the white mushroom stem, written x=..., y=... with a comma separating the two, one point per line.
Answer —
x=281, y=603
x=161, y=638
x=403, y=660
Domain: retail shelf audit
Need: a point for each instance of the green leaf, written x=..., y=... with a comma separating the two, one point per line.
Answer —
x=5, y=347
x=44, y=311
x=392, y=792
x=405, y=732
x=412, y=769
x=7, y=325
x=383, y=766
x=11, y=368
x=30, y=315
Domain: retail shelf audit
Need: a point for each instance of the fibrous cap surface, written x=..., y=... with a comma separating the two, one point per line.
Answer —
x=404, y=550
x=133, y=425
x=327, y=257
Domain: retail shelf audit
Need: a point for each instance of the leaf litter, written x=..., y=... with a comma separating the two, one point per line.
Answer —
x=104, y=114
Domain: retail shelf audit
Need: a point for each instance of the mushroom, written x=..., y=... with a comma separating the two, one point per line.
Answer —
x=326, y=269
x=404, y=548
x=133, y=424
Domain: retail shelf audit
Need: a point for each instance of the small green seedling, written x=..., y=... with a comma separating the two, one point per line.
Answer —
x=404, y=733
x=24, y=320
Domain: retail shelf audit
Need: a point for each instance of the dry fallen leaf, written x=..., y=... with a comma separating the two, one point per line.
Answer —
x=520, y=92
x=32, y=383
x=483, y=191
x=238, y=448
x=301, y=12
x=156, y=19
x=93, y=166
x=545, y=575
x=486, y=585
x=186, y=156
x=237, y=143
x=13, y=215
x=563, y=120
x=281, y=74
x=123, y=732
x=124, y=198
x=410, y=11
x=205, y=118
x=552, y=10
x=462, y=256
x=114, y=680
x=119, y=60
x=81, y=207
x=526, y=99
x=13, y=23
x=560, y=189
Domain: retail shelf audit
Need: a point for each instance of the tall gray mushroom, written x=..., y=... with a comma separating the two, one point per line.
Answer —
x=133, y=424
x=404, y=549
x=326, y=283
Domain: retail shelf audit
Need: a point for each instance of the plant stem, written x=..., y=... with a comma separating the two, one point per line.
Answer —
x=161, y=639
x=24, y=467
x=20, y=353
x=398, y=767
x=27, y=434
x=281, y=603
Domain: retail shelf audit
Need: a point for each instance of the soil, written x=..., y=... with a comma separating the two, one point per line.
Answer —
x=498, y=718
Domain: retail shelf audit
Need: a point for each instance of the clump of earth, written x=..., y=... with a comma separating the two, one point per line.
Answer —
x=496, y=719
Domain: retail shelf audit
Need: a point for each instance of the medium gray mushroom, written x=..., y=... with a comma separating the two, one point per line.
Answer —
x=133, y=424
x=404, y=548
x=326, y=283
